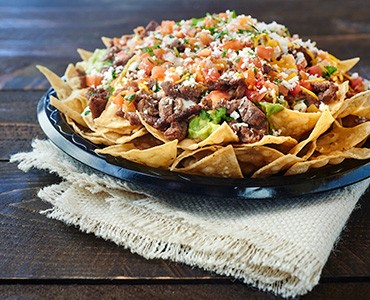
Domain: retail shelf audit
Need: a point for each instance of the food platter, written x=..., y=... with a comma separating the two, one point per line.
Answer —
x=159, y=181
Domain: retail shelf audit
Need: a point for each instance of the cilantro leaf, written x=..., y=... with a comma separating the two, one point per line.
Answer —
x=329, y=71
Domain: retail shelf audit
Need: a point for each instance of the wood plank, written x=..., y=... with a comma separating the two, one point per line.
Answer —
x=51, y=35
x=70, y=254
x=167, y=291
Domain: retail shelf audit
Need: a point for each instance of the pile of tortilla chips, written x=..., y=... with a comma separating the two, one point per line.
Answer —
x=307, y=140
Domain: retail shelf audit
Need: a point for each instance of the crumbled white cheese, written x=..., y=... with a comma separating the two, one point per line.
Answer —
x=234, y=115
x=291, y=83
x=323, y=106
x=300, y=106
x=276, y=132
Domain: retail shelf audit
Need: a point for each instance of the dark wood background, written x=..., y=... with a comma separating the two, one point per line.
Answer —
x=42, y=258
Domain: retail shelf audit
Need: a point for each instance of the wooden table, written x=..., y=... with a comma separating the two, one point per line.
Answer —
x=42, y=258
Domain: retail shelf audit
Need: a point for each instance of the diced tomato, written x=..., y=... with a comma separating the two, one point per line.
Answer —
x=218, y=95
x=223, y=16
x=260, y=81
x=146, y=65
x=357, y=84
x=296, y=90
x=205, y=52
x=211, y=74
x=174, y=76
x=306, y=85
x=255, y=95
x=159, y=53
x=250, y=80
x=209, y=22
x=265, y=52
x=158, y=72
x=205, y=38
x=315, y=70
x=233, y=45
x=127, y=106
x=167, y=27
x=118, y=100
x=93, y=80
x=283, y=90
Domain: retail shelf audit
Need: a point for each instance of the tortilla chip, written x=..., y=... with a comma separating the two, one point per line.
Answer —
x=223, y=134
x=253, y=158
x=334, y=106
x=67, y=111
x=278, y=165
x=109, y=119
x=93, y=137
x=322, y=160
x=161, y=156
x=221, y=163
x=106, y=41
x=321, y=126
x=293, y=123
x=282, y=143
x=155, y=132
x=358, y=105
x=342, y=138
x=84, y=54
x=72, y=77
x=61, y=87
x=346, y=65
x=118, y=138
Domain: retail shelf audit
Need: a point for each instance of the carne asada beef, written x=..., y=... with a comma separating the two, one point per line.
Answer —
x=177, y=130
x=98, y=99
x=181, y=90
x=152, y=25
x=325, y=90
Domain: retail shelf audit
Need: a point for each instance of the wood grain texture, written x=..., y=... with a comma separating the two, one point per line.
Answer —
x=235, y=291
x=42, y=258
x=48, y=33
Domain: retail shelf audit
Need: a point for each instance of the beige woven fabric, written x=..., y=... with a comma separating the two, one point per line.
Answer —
x=277, y=245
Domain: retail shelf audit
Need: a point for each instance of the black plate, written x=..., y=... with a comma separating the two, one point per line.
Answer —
x=163, y=181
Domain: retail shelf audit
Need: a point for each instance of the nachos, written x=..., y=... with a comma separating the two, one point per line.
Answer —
x=223, y=95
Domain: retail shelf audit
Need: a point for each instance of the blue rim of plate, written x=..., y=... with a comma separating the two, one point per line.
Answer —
x=319, y=180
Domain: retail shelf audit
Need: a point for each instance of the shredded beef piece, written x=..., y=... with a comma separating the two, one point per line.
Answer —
x=133, y=118
x=152, y=25
x=325, y=90
x=177, y=130
x=190, y=92
x=206, y=103
x=352, y=121
x=302, y=96
x=123, y=61
x=97, y=101
x=178, y=44
x=240, y=90
x=230, y=105
x=169, y=89
x=235, y=85
x=267, y=69
x=151, y=82
x=120, y=113
x=185, y=114
x=180, y=90
x=148, y=107
x=250, y=135
x=252, y=115
x=165, y=107
x=306, y=55
x=111, y=52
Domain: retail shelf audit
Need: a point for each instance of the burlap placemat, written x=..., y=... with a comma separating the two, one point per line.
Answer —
x=276, y=245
